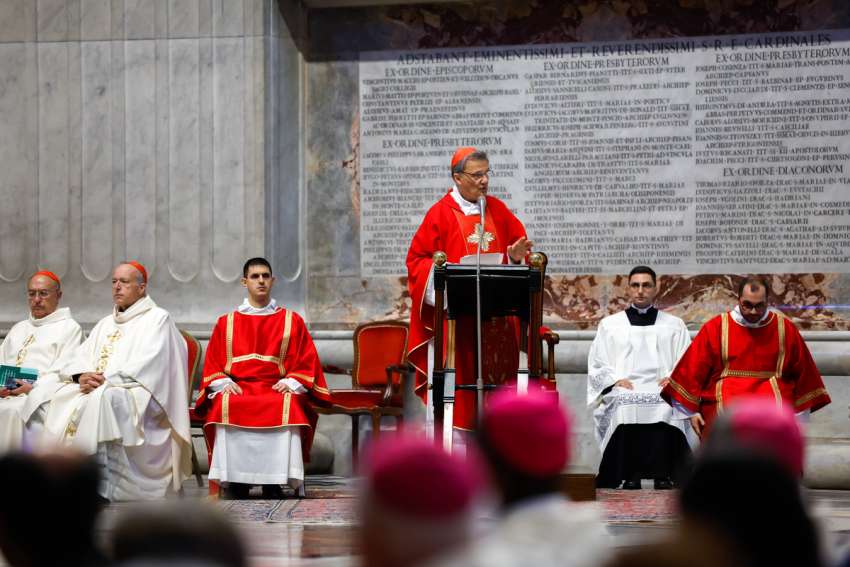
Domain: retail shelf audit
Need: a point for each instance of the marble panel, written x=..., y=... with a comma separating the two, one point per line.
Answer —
x=140, y=18
x=97, y=202
x=95, y=19
x=17, y=20
x=117, y=114
x=54, y=139
x=228, y=17
x=228, y=228
x=184, y=189
x=183, y=18
x=140, y=151
x=205, y=17
x=254, y=143
x=52, y=20
x=332, y=187
x=285, y=107
x=18, y=151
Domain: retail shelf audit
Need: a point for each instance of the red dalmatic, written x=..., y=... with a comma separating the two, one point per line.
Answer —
x=256, y=351
x=445, y=228
x=728, y=360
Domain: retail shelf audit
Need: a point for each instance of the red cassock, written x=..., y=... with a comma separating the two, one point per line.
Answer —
x=727, y=360
x=445, y=228
x=256, y=351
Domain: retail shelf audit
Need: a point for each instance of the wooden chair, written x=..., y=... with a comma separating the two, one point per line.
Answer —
x=195, y=351
x=380, y=359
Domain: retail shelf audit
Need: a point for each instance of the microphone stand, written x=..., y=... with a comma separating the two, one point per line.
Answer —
x=479, y=383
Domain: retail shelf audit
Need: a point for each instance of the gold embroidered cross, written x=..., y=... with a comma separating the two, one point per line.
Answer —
x=22, y=354
x=106, y=351
x=480, y=237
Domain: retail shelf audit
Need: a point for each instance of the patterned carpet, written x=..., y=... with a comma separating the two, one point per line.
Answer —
x=332, y=501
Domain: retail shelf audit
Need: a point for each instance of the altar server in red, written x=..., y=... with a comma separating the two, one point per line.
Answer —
x=453, y=226
x=749, y=351
x=260, y=374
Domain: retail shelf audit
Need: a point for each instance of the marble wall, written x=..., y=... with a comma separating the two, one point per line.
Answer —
x=149, y=130
x=339, y=296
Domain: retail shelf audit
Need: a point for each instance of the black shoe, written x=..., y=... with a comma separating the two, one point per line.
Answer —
x=631, y=485
x=663, y=484
x=234, y=491
x=273, y=492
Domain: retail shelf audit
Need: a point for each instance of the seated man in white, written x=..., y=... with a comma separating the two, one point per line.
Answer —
x=125, y=398
x=630, y=360
x=261, y=374
x=36, y=343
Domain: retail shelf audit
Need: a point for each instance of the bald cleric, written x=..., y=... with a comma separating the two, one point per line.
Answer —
x=124, y=396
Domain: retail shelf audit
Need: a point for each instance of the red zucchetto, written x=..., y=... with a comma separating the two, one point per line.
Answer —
x=141, y=269
x=462, y=153
x=48, y=274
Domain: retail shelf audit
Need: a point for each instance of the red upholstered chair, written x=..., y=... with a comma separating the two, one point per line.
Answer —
x=380, y=359
x=195, y=351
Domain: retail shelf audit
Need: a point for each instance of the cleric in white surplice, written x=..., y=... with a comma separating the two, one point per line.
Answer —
x=639, y=434
x=125, y=399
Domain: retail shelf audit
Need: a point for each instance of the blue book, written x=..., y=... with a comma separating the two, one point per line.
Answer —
x=8, y=375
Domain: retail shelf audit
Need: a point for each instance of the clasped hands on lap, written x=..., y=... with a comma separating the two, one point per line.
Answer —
x=627, y=384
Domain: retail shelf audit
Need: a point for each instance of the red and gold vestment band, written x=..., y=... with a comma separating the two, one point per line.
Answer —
x=728, y=360
x=255, y=352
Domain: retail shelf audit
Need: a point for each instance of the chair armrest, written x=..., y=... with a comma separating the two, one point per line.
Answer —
x=551, y=338
x=331, y=369
x=388, y=389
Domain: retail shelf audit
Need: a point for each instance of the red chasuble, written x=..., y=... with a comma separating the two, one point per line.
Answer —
x=445, y=228
x=728, y=360
x=256, y=351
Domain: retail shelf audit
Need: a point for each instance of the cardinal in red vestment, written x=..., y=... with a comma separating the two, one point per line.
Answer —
x=453, y=226
x=260, y=374
x=749, y=351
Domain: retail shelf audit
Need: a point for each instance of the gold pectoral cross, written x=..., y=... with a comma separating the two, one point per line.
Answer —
x=481, y=237
x=107, y=350
x=22, y=354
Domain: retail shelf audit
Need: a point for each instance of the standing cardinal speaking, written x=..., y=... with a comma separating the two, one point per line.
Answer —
x=453, y=225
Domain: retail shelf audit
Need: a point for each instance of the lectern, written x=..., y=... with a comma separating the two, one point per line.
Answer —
x=505, y=290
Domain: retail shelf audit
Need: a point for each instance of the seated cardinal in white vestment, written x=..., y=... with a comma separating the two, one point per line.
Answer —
x=35, y=344
x=639, y=434
x=125, y=399
x=260, y=374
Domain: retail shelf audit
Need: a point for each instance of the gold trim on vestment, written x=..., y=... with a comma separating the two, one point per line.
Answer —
x=780, y=362
x=287, y=400
x=724, y=340
x=718, y=395
x=225, y=408
x=321, y=390
x=766, y=374
x=228, y=340
x=284, y=343
x=682, y=392
x=255, y=356
x=810, y=396
x=306, y=377
x=214, y=376
x=22, y=354
x=774, y=385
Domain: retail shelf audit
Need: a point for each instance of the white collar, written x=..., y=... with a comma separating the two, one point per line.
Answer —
x=59, y=315
x=639, y=310
x=738, y=317
x=141, y=306
x=467, y=207
x=247, y=309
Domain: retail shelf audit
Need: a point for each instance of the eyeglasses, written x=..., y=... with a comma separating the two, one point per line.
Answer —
x=479, y=176
x=42, y=293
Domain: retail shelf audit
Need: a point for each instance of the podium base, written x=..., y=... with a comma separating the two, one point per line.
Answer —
x=579, y=487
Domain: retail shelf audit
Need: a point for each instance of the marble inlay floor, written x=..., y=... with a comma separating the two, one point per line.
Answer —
x=321, y=530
